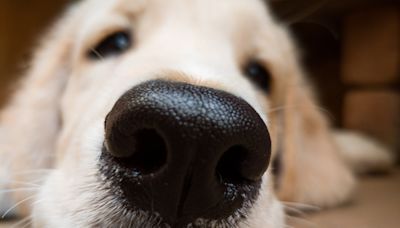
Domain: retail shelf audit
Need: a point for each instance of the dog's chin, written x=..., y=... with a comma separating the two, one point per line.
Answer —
x=92, y=202
x=87, y=203
x=123, y=216
x=139, y=218
x=129, y=217
x=132, y=216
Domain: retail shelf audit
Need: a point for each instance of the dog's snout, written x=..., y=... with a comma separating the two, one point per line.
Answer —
x=185, y=152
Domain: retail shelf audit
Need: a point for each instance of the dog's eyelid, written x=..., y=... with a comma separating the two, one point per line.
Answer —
x=257, y=71
x=111, y=45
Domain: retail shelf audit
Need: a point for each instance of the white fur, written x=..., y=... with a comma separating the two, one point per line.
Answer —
x=55, y=120
x=362, y=153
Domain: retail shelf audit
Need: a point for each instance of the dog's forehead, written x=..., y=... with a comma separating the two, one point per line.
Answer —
x=222, y=14
x=238, y=26
x=198, y=9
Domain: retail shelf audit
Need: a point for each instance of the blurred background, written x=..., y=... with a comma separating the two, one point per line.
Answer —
x=351, y=50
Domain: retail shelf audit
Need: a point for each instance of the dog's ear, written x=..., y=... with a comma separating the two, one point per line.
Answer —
x=289, y=11
x=311, y=171
x=30, y=122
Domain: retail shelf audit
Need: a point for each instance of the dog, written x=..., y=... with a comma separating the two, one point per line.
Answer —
x=180, y=113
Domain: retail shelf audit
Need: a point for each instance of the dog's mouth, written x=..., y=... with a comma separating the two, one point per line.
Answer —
x=171, y=207
x=184, y=155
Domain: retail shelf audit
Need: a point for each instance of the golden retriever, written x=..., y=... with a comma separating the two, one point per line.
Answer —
x=167, y=114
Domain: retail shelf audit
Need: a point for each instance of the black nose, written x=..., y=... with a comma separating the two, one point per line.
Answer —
x=184, y=152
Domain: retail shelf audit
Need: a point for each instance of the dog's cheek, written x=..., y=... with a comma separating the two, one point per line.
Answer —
x=5, y=197
x=46, y=211
x=66, y=198
x=267, y=211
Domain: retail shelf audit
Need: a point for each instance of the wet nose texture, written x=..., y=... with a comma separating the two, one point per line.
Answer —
x=185, y=152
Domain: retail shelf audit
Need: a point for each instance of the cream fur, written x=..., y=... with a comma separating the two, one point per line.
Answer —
x=363, y=154
x=55, y=120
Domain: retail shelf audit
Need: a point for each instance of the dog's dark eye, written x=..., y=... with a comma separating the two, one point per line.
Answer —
x=113, y=44
x=258, y=74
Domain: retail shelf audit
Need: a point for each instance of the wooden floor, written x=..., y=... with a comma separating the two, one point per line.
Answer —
x=376, y=205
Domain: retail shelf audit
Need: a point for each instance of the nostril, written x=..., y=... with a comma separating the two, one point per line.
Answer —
x=230, y=165
x=183, y=152
x=148, y=152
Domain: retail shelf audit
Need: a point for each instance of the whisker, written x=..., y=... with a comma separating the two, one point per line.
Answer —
x=24, y=183
x=16, y=205
x=28, y=224
x=279, y=108
x=22, y=223
x=34, y=171
x=285, y=107
x=37, y=201
x=294, y=211
x=302, y=206
x=302, y=220
x=97, y=54
x=18, y=189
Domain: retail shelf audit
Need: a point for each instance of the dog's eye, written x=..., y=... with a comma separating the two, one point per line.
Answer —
x=113, y=44
x=258, y=74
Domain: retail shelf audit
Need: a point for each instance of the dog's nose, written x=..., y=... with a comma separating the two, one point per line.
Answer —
x=185, y=152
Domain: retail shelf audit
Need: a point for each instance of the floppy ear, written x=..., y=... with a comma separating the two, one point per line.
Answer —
x=29, y=124
x=289, y=11
x=311, y=169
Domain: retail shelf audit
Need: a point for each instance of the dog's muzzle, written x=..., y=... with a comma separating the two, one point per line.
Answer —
x=185, y=153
